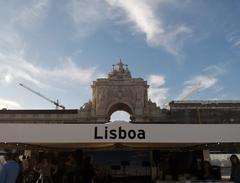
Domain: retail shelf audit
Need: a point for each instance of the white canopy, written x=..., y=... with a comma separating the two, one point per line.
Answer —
x=119, y=132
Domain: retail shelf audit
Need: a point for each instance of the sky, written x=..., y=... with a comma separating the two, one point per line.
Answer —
x=186, y=50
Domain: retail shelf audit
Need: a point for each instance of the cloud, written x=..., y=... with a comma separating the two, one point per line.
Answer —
x=142, y=16
x=31, y=13
x=9, y=104
x=157, y=93
x=156, y=80
x=237, y=44
x=234, y=39
x=72, y=72
x=214, y=70
x=15, y=67
x=207, y=79
x=10, y=42
x=197, y=83
x=87, y=15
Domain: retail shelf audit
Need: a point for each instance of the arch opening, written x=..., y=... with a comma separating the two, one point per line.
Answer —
x=120, y=116
x=120, y=112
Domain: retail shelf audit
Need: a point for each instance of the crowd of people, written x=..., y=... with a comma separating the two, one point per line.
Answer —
x=73, y=168
x=208, y=175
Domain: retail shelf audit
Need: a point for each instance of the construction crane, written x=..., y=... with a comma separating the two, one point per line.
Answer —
x=56, y=103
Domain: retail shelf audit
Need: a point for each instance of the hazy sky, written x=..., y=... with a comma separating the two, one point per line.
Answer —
x=184, y=49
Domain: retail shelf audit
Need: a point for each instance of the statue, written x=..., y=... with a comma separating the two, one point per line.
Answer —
x=120, y=71
x=87, y=106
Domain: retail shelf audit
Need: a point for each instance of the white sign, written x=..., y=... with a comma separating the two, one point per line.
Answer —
x=119, y=132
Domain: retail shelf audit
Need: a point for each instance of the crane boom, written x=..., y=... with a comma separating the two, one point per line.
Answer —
x=40, y=95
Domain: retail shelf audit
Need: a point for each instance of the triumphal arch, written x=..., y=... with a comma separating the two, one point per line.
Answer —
x=120, y=91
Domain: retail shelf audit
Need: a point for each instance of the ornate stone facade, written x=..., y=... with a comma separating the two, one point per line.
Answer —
x=121, y=92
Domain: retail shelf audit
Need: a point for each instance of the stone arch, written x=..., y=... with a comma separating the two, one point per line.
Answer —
x=119, y=106
x=119, y=91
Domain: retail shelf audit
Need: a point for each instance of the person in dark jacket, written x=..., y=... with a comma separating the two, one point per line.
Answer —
x=235, y=170
x=207, y=171
x=10, y=170
x=88, y=170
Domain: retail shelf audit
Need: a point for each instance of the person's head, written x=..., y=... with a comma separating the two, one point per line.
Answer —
x=9, y=156
x=234, y=159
